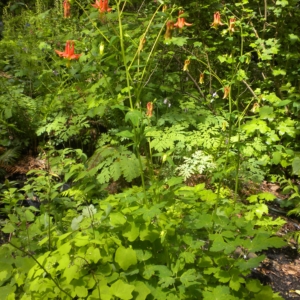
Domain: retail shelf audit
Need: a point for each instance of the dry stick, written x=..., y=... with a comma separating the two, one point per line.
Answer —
x=266, y=7
x=27, y=253
x=248, y=86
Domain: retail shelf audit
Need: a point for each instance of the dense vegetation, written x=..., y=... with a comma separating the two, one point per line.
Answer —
x=153, y=121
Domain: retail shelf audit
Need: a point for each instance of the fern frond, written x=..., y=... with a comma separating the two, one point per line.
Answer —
x=10, y=156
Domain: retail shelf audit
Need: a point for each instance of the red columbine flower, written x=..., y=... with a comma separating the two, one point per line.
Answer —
x=201, y=79
x=217, y=20
x=69, y=52
x=102, y=5
x=149, y=109
x=186, y=65
x=226, y=92
x=67, y=9
x=170, y=27
x=231, y=25
x=181, y=21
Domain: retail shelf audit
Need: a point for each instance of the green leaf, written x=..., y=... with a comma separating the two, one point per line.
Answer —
x=122, y=290
x=76, y=222
x=81, y=291
x=283, y=103
x=125, y=257
x=276, y=158
x=166, y=281
x=188, y=257
x=93, y=254
x=296, y=166
x=218, y=244
x=6, y=291
x=142, y=290
x=134, y=116
x=178, y=41
x=8, y=228
x=117, y=219
x=219, y=293
x=266, y=112
x=253, y=286
x=189, y=277
x=131, y=231
x=143, y=255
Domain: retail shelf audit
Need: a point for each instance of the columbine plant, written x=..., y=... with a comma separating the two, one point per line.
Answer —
x=181, y=21
x=69, y=52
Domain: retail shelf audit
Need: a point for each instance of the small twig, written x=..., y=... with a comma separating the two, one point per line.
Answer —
x=248, y=86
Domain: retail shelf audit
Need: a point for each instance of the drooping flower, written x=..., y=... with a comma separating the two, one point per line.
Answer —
x=164, y=8
x=186, y=65
x=101, y=48
x=181, y=21
x=231, y=25
x=149, y=109
x=217, y=20
x=69, y=51
x=226, y=92
x=170, y=27
x=67, y=9
x=201, y=79
x=102, y=6
x=141, y=44
x=255, y=107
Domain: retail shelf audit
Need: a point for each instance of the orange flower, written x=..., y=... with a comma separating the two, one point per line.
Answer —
x=149, y=109
x=217, y=20
x=170, y=27
x=69, y=51
x=67, y=9
x=255, y=107
x=231, y=25
x=181, y=21
x=201, y=79
x=102, y=5
x=226, y=92
x=186, y=65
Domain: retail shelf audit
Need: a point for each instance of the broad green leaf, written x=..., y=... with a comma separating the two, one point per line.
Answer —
x=93, y=254
x=134, y=116
x=296, y=166
x=131, y=231
x=70, y=273
x=189, y=277
x=81, y=291
x=125, y=257
x=143, y=255
x=7, y=290
x=266, y=112
x=166, y=281
x=8, y=228
x=122, y=290
x=142, y=290
x=117, y=219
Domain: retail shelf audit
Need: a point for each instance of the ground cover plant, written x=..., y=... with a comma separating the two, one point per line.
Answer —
x=151, y=118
